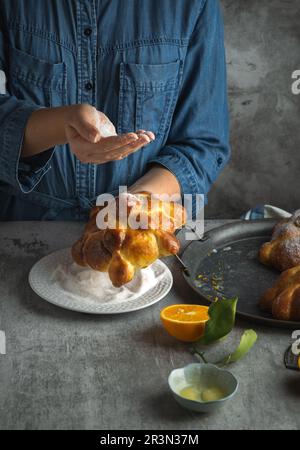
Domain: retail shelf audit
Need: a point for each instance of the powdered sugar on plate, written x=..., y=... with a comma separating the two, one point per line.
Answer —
x=85, y=283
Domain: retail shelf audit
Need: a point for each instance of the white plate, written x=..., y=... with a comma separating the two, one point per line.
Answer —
x=41, y=283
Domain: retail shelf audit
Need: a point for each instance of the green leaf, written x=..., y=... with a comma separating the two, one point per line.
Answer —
x=222, y=319
x=246, y=343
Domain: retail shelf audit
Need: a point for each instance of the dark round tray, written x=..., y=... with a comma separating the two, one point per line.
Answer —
x=225, y=264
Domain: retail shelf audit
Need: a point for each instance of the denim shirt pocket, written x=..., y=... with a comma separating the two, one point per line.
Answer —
x=35, y=80
x=147, y=96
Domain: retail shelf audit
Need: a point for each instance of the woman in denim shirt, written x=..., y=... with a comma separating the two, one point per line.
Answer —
x=154, y=65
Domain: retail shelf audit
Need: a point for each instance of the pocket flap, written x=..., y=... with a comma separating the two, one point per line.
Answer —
x=157, y=77
x=42, y=73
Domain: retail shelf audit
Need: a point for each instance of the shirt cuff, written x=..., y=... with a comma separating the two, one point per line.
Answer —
x=193, y=188
x=23, y=173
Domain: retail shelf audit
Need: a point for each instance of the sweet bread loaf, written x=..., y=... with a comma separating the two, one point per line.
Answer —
x=283, y=299
x=121, y=250
x=283, y=251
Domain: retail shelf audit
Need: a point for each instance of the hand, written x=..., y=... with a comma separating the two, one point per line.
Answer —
x=91, y=135
x=158, y=181
x=90, y=123
x=93, y=139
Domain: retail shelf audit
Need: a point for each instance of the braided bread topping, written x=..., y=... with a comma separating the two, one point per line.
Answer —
x=121, y=248
x=283, y=251
x=283, y=299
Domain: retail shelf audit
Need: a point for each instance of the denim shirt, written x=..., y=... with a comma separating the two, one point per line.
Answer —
x=157, y=65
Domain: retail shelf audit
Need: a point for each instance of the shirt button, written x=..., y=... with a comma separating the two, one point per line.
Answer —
x=87, y=32
x=89, y=86
x=219, y=161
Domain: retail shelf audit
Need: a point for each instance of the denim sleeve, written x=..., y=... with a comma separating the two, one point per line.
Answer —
x=21, y=173
x=198, y=143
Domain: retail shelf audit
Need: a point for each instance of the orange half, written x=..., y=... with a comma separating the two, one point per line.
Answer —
x=185, y=322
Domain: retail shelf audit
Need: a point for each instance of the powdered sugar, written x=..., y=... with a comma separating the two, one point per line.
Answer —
x=85, y=283
x=291, y=249
x=283, y=228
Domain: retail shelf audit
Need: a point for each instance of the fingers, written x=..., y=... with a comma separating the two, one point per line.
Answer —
x=85, y=119
x=126, y=150
x=124, y=144
x=107, y=149
x=148, y=133
x=112, y=143
x=71, y=133
x=144, y=138
x=86, y=130
x=120, y=153
x=93, y=125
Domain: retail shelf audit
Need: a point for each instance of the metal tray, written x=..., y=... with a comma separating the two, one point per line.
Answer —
x=225, y=263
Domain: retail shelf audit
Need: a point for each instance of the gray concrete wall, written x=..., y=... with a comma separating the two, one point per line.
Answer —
x=263, y=49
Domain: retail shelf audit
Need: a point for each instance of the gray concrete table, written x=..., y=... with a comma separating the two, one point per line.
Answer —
x=64, y=370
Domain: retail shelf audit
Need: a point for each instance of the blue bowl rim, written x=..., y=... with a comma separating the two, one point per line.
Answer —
x=197, y=402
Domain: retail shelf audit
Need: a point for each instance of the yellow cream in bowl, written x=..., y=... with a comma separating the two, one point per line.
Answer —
x=205, y=395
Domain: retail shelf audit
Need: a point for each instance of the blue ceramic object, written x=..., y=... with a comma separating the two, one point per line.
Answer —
x=202, y=376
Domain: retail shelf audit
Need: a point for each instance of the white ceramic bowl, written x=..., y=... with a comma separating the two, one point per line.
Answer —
x=206, y=375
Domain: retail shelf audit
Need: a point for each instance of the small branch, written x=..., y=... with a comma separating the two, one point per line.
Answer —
x=201, y=355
